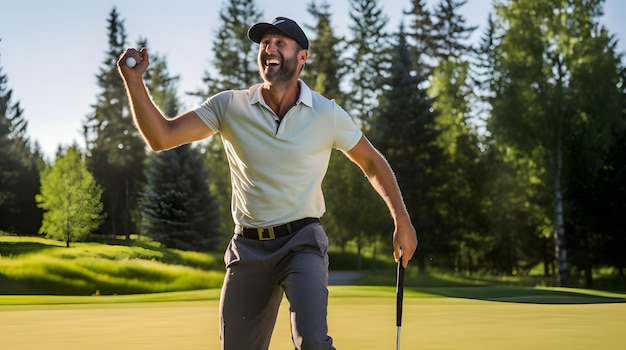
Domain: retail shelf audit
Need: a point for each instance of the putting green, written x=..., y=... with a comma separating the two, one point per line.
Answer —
x=359, y=318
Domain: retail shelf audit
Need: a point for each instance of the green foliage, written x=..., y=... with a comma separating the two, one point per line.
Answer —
x=325, y=70
x=451, y=34
x=235, y=67
x=462, y=197
x=597, y=214
x=161, y=84
x=344, y=186
x=219, y=183
x=420, y=31
x=235, y=55
x=548, y=81
x=370, y=50
x=404, y=131
x=20, y=165
x=116, y=151
x=70, y=198
x=352, y=257
x=177, y=207
x=555, y=91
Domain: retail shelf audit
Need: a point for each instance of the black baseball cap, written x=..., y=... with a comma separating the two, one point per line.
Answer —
x=289, y=27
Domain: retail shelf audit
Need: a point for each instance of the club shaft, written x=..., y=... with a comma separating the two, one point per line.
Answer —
x=398, y=340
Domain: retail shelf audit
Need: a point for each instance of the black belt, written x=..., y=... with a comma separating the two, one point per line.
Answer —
x=269, y=233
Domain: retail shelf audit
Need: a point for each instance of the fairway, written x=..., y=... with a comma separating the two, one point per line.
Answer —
x=359, y=318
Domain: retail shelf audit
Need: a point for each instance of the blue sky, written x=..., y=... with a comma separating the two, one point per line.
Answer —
x=51, y=51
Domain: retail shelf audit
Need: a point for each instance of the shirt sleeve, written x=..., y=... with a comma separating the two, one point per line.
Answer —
x=347, y=134
x=212, y=110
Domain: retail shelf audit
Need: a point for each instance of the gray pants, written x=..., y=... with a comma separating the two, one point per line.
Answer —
x=257, y=274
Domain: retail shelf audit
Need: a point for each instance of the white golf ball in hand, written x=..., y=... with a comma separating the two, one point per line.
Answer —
x=131, y=62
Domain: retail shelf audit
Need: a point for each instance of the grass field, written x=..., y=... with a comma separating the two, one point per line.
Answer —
x=359, y=318
x=52, y=297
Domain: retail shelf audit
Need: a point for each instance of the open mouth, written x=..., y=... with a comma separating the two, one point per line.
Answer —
x=272, y=62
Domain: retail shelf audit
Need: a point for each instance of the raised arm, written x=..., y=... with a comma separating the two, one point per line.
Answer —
x=382, y=178
x=159, y=132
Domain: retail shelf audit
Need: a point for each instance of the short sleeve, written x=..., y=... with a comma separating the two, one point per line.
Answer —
x=212, y=110
x=347, y=134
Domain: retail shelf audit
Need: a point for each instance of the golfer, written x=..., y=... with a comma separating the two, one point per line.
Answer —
x=278, y=137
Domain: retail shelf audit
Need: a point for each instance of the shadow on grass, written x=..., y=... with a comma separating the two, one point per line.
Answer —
x=443, y=286
x=528, y=295
x=21, y=247
x=8, y=286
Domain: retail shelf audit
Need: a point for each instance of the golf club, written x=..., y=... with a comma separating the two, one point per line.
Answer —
x=399, y=298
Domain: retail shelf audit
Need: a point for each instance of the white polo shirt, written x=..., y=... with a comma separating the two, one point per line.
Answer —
x=277, y=170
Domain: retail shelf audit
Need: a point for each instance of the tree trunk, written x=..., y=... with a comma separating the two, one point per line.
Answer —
x=588, y=262
x=127, y=207
x=546, y=257
x=359, y=258
x=374, y=256
x=559, y=223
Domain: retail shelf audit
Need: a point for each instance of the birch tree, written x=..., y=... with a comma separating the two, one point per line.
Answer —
x=555, y=67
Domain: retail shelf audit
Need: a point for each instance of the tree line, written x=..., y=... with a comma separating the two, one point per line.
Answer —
x=510, y=151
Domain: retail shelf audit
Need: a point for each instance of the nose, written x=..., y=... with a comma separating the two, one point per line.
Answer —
x=270, y=47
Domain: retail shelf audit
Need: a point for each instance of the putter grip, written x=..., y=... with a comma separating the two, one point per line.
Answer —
x=399, y=293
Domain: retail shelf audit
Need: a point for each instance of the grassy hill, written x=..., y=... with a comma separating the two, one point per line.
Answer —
x=31, y=265
x=38, y=266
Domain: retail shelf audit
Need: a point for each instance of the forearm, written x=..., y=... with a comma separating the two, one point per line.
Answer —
x=150, y=121
x=383, y=180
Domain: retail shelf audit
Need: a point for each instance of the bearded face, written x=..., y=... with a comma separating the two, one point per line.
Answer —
x=278, y=58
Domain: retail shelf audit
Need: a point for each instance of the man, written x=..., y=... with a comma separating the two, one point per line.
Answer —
x=278, y=136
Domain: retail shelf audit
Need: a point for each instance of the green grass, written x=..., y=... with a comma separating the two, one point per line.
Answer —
x=30, y=265
x=179, y=308
x=359, y=318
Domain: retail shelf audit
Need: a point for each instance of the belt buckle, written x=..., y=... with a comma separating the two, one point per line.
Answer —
x=266, y=234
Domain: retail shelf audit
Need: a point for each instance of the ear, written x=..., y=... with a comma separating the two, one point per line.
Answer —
x=303, y=55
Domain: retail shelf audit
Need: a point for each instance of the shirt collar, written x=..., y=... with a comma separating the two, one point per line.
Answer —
x=306, y=96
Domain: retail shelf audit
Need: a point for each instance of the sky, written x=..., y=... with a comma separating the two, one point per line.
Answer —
x=51, y=51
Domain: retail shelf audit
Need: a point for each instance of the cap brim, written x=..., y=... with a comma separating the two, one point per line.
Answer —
x=256, y=32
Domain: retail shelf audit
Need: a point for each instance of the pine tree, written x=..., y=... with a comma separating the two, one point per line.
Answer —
x=404, y=131
x=10, y=120
x=116, y=151
x=421, y=36
x=20, y=164
x=235, y=67
x=452, y=92
x=451, y=35
x=451, y=81
x=235, y=56
x=369, y=48
x=70, y=197
x=177, y=208
x=324, y=71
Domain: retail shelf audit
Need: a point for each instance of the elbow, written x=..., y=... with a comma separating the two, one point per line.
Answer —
x=156, y=144
x=155, y=148
x=157, y=139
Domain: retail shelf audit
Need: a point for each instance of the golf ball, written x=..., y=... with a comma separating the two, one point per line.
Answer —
x=131, y=62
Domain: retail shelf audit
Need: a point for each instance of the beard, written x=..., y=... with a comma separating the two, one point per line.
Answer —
x=282, y=73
